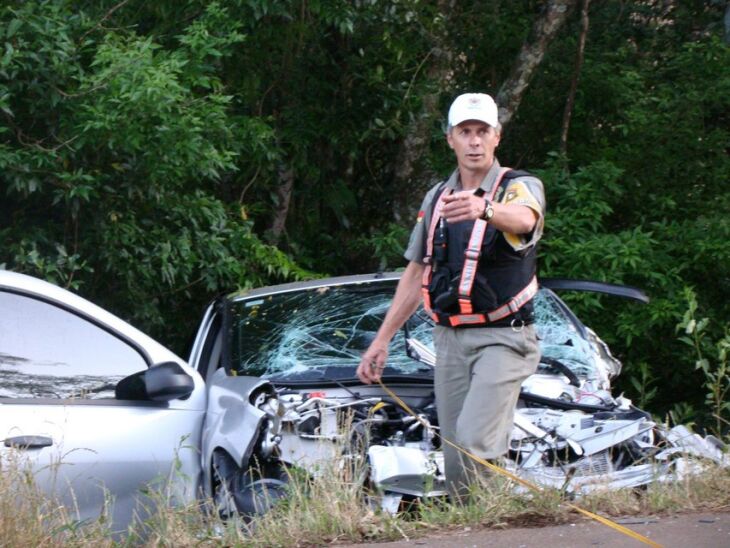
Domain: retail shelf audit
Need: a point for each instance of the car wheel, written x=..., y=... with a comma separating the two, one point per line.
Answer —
x=254, y=496
x=246, y=492
x=223, y=467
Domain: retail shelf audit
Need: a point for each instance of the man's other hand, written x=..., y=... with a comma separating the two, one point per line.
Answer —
x=372, y=364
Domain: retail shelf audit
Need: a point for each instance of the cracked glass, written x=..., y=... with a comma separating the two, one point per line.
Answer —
x=317, y=333
x=320, y=333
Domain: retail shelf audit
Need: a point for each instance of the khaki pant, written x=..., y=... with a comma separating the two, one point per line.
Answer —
x=478, y=376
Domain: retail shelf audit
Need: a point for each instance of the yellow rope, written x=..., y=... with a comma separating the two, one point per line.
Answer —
x=521, y=481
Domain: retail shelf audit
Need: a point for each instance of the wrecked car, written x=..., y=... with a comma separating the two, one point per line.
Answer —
x=280, y=366
x=105, y=415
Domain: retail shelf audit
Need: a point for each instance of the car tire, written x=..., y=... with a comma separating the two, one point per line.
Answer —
x=246, y=492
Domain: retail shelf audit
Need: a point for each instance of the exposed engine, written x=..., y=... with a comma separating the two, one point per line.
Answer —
x=395, y=451
x=573, y=446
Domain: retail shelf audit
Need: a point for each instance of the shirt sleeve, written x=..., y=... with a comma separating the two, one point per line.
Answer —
x=527, y=191
x=416, y=249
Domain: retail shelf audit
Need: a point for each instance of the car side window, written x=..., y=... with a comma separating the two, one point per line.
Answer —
x=49, y=352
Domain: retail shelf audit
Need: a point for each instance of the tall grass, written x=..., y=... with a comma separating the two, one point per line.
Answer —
x=31, y=518
x=331, y=508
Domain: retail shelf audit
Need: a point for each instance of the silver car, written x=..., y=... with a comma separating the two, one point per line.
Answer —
x=97, y=408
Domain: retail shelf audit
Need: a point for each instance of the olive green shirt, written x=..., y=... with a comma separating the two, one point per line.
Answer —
x=525, y=190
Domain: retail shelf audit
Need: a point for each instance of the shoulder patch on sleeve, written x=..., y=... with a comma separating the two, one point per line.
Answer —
x=518, y=193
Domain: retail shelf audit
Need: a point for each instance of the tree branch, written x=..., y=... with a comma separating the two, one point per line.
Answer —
x=533, y=50
x=107, y=15
x=570, y=103
x=283, y=194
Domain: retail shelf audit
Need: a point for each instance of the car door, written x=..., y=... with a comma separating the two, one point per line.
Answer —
x=60, y=359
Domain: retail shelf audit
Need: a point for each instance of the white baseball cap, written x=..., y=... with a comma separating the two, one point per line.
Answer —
x=473, y=106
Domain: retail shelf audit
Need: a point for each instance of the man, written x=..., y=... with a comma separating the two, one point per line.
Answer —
x=472, y=257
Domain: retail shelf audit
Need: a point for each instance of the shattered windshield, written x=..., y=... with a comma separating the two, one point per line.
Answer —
x=321, y=333
x=317, y=333
x=560, y=339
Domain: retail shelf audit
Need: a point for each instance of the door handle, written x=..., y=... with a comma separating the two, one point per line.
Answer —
x=28, y=442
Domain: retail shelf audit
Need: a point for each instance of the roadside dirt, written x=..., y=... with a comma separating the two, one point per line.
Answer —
x=696, y=530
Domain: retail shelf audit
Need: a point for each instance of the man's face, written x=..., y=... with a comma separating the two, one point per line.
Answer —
x=473, y=143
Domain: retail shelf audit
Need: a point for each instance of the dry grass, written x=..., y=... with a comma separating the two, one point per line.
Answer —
x=321, y=510
x=492, y=503
x=30, y=518
x=332, y=509
x=708, y=490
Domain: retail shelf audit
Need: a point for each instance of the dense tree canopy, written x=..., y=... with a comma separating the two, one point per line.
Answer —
x=155, y=153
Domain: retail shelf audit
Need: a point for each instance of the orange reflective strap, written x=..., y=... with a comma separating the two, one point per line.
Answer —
x=424, y=291
x=471, y=261
x=515, y=303
x=425, y=282
x=467, y=319
x=428, y=271
x=473, y=252
x=427, y=301
x=465, y=306
x=435, y=215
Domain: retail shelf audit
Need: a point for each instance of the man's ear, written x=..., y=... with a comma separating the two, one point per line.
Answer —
x=449, y=140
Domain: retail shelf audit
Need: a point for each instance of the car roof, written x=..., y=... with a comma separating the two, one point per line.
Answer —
x=313, y=284
x=557, y=284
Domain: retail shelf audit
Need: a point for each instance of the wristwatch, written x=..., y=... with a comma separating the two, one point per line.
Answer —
x=488, y=210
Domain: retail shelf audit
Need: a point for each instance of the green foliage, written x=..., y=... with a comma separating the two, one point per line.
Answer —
x=652, y=103
x=142, y=147
x=712, y=358
x=584, y=239
x=54, y=265
x=683, y=413
x=387, y=246
x=643, y=385
x=179, y=248
x=121, y=144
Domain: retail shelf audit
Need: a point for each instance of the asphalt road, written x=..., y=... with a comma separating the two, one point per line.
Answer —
x=696, y=530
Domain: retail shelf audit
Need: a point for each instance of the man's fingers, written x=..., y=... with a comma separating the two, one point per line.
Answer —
x=372, y=365
x=462, y=194
x=462, y=207
x=364, y=372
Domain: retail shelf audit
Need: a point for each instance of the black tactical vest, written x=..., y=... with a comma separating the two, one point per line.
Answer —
x=502, y=272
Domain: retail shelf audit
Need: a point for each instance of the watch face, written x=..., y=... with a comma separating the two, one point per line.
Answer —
x=488, y=212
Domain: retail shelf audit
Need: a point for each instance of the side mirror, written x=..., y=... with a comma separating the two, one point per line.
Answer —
x=162, y=382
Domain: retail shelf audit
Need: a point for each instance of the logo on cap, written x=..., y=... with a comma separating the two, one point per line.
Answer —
x=473, y=106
